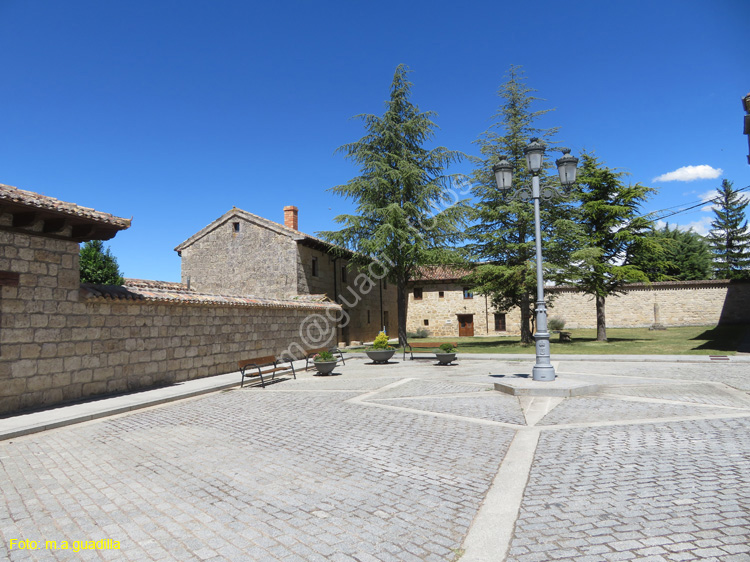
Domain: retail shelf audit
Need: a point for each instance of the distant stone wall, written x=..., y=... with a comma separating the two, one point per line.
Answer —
x=59, y=342
x=681, y=303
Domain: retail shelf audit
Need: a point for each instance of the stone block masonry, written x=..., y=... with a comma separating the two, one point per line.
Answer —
x=60, y=341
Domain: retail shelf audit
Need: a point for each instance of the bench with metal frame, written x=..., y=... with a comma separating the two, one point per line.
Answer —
x=435, y=346
x=259, y=366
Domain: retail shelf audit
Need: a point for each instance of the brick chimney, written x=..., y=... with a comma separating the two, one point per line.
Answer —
x=290, y=217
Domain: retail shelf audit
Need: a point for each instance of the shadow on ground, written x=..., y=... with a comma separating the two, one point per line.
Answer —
x=726, y=338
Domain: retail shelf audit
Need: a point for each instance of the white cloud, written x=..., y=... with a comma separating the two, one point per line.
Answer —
x=691, y=173
x=701, y=226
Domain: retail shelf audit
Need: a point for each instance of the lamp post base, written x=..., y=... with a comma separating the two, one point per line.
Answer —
x=543, y=373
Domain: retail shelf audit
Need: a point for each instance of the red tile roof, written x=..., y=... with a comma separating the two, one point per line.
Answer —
x=440, y=273
x=24, y=198
x=146, y=291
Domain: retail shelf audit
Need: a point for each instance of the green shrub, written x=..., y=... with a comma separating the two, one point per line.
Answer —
x=420, y=333
x=324, y=356
x=556, y=323
x=381, y=342
x=447, y=348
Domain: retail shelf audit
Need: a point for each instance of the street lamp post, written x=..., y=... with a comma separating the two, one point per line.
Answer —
x=566, y=167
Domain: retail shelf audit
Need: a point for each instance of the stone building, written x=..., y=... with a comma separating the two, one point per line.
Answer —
x=441, y=303
x=243, y=254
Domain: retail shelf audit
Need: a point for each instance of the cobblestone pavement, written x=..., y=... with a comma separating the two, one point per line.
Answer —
x=393, y=463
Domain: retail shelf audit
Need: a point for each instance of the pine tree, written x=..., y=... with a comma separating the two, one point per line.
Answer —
x=98, y=265
x=683, y=256
x=730, y=236
x=502, y=236
x=406, y=212
x=612, y=230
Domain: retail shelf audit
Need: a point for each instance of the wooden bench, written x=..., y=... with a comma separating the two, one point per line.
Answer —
x=424, y=345
x=259, y=366
x=313, y=352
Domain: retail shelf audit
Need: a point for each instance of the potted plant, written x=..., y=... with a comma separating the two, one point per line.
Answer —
x=325, y=362
x=447, y=354
x=380, y=352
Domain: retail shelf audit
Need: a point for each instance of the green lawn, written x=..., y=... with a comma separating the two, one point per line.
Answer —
x=692, y=340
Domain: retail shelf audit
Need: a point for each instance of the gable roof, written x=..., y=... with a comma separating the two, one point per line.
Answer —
x=59, y=219
x=296, y=235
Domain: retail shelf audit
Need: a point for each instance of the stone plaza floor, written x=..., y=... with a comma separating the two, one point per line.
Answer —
x=401, y=462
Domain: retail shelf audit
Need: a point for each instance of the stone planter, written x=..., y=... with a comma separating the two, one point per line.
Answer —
x=325, y=367
x=380, y=355
x=445, y=358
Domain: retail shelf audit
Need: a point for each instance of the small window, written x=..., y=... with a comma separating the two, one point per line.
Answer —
x=499, y=322
x=343, y=274
x=315, y=267
x=468, y=294
x=417, y=294
x=441, y=294
x=368, y=316
x=426, y=322
x=235, y=228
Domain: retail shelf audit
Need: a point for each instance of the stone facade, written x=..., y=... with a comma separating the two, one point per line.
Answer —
x=243, y=254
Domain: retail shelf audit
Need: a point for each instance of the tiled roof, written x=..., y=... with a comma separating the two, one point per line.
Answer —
x=139, y=293
x=149, y=284
x=440, y=273
x=21, y=197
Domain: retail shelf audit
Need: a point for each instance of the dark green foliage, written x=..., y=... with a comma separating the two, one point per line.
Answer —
x=611, y=231
x=681, y=256
x=502, y=234
x=406, y=212
x=730, y=235
x=98, y=265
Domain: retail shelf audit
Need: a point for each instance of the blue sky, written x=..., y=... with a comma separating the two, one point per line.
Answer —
x=172, y=112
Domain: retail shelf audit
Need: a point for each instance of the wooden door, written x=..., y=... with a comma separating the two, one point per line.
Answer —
x=465, y=325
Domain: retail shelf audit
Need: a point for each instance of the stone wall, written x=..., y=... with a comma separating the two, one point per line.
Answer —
x=61, y=342
x=682, y=303
x=685, y=303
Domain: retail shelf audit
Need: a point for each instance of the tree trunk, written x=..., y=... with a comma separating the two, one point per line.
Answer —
x=401, y=301
x=526, y=336
x=601, y=322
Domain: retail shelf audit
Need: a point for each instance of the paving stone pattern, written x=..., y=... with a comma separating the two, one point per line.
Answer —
x=695, y=393
x=594, y=409
x=736, y=375
x=488, y=406
x=667, y=492
x=253, y=475
x=429, y=387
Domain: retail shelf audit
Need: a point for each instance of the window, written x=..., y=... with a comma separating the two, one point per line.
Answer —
x=315, y=267
x=235, y=228
x=417, y=294
x=468, y=294
x=499, y=322
x=343, y=274
x=441, y=294
x=368, y=316
x=426, y=322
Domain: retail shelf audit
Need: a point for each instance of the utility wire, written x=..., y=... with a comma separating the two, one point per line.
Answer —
x=655, y=215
